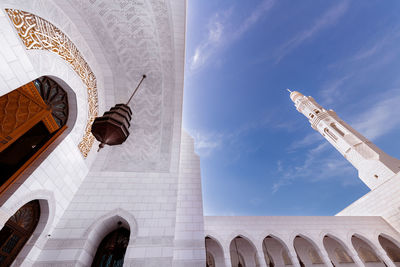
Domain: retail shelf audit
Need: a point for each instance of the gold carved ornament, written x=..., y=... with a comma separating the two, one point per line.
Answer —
x=38, y=33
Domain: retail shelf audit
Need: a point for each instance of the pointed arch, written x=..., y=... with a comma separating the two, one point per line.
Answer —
x=101, y=227
x=391, y=247
x=275, y=251
x=366, y=250
x=242, y=250
x=45, y=224
x=307, y=250
x=214, y=247
x=337, y=251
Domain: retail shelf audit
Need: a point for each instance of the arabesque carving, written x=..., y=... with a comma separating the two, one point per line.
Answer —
x=38, y=33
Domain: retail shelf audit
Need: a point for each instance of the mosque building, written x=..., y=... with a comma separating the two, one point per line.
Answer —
x=69, y=65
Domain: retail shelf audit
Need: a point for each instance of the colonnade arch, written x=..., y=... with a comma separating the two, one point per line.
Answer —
x=215, y=250
x=301, y=250
x=391, y=248
x=20, y=233
x=366, y=251
x=337, y=251
x=243, y=252
x=307, y=251
x=275, y=252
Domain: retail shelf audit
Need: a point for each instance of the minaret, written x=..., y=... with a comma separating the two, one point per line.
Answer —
x=374, y=166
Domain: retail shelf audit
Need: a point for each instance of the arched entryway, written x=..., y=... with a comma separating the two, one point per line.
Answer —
x=214, y=252
x=32, y=117
x=17, y=230
x=307, y=253
x=243, y=252
x=111, y=251
x=337, y=253
x=392, y=250
x=275, y=252
x=366, y=252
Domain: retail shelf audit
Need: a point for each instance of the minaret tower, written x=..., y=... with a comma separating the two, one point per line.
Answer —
x=374, y=166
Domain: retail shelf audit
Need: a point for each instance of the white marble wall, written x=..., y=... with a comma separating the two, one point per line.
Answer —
x=189, y=230
x=60, y=173
x=382, y=201
x=165, y=217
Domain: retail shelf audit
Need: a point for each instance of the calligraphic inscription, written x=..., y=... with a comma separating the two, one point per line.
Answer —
x=38, y=33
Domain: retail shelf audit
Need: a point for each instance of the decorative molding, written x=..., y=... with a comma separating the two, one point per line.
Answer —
x=37, y=33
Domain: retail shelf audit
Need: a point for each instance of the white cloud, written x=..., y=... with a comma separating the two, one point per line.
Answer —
x=327, y=19
x=215, y=30
x=308, y=140
x=331, y=91
x=379, y=119
x=254, y=17
x=378, y=46
x=206, y=143
x=218, y=33
x=318, y=165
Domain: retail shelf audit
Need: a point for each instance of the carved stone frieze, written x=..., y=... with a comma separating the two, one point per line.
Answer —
x=37, y=33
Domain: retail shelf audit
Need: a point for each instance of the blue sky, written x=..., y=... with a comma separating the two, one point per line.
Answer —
x=259, y=156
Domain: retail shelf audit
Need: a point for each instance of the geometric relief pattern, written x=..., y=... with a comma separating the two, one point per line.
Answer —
x=24, y=217
x=38, y=33
x=15, y=110
x=138, y=38
x=20, y=109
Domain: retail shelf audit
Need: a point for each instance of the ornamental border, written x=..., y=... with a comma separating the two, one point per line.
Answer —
x=38, y=33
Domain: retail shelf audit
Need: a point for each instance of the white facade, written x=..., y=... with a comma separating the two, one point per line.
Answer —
x=152, y=183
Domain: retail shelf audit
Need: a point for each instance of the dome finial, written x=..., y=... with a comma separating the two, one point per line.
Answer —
x=288, y=90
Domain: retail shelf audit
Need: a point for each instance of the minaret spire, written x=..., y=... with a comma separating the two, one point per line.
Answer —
x=374, y=166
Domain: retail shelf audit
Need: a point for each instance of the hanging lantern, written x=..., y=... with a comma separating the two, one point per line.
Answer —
x=113, y=127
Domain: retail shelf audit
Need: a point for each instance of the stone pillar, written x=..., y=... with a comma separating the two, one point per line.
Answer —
x=325, y=258
x=354, y=255
x=293, y=257
x=189, y=245
x=227, y=255
x=260, y=257
x=323, y=253
x=384, y=257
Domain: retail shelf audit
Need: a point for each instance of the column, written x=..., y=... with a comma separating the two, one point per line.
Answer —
x=260, y=256
x=325, y=258
x=293, y=257
x=227, y=255
x=384, y=257
x=354, y=255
